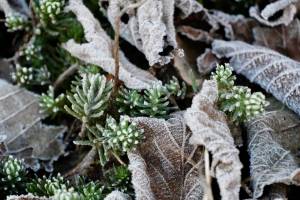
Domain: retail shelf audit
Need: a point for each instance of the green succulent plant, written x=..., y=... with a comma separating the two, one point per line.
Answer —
x=16, y=22
x=155, y=101
x=50, y=104
x=89, y=98
x=67, y=194
x=12, y=175
x=48, y=10
x=119, y=178
x=46, y=186
x=123, y=136
x=174, y=88
x=130, y=101
x=237, y=101
x=241, y=105
x=91, y=191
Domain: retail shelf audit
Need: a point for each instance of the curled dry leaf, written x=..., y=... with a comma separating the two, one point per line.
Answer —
x=211, y=23
x=273, y=144
x=98, y=50
x=274, y=72
x=285, y=39
x=165, y=166
x=286, y=6
x=150, y=27
x=117, y=195
x=25, y=136
x=210, y=129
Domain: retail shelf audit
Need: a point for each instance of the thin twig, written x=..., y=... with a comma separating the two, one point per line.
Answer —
x=82, y=131
x=116, y=51
x=65, y=75
x=118, y=158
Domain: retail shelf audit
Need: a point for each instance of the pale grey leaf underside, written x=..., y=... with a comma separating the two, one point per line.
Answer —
x=23, y=133
x=273, y=145
x=286, y=6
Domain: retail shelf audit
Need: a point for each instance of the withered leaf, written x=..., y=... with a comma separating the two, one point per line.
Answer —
x=98, y=50
x=25, y=136
x=165, y=166
x=286, y=6
x=209, y=128
x=273, y=71
x=284, y=39
x=273, y=144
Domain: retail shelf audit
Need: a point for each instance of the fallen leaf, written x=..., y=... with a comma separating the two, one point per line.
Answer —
x=165, y=166
x=209, y=128
x=98, y=50
x=273, y=144
x=264, y=16
x=25, y=136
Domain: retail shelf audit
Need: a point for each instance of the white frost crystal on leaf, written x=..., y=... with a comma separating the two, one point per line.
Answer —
x=286, y=6
x=26, y=197
x=274, y=72
x=25, y=136
x=150, y=27
x=165, y=166
x=273, y=143
x=117, y=195
x=210, y=129
x=99, y=48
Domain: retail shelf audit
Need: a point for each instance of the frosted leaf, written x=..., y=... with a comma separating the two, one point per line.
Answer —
x=210, y=129
x=232, y=25
x=25, y=136
x=165, y=166
x=274, y=72
x=188, y=7
x=150, y=28
x=26, y=197
x=117, y=195
x=286, y=6
x=273, y=143
x=285, y=39
x=98, y=50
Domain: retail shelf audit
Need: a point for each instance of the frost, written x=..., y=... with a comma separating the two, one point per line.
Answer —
x=26, y=197
x=286, y=6
x=165, y=166
x=210, y=129
x=273, y=143
x=188, y=7
x=274, y=72
x=117, y=195
x=23, y=133
x=150, y=27
x=98, y=50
